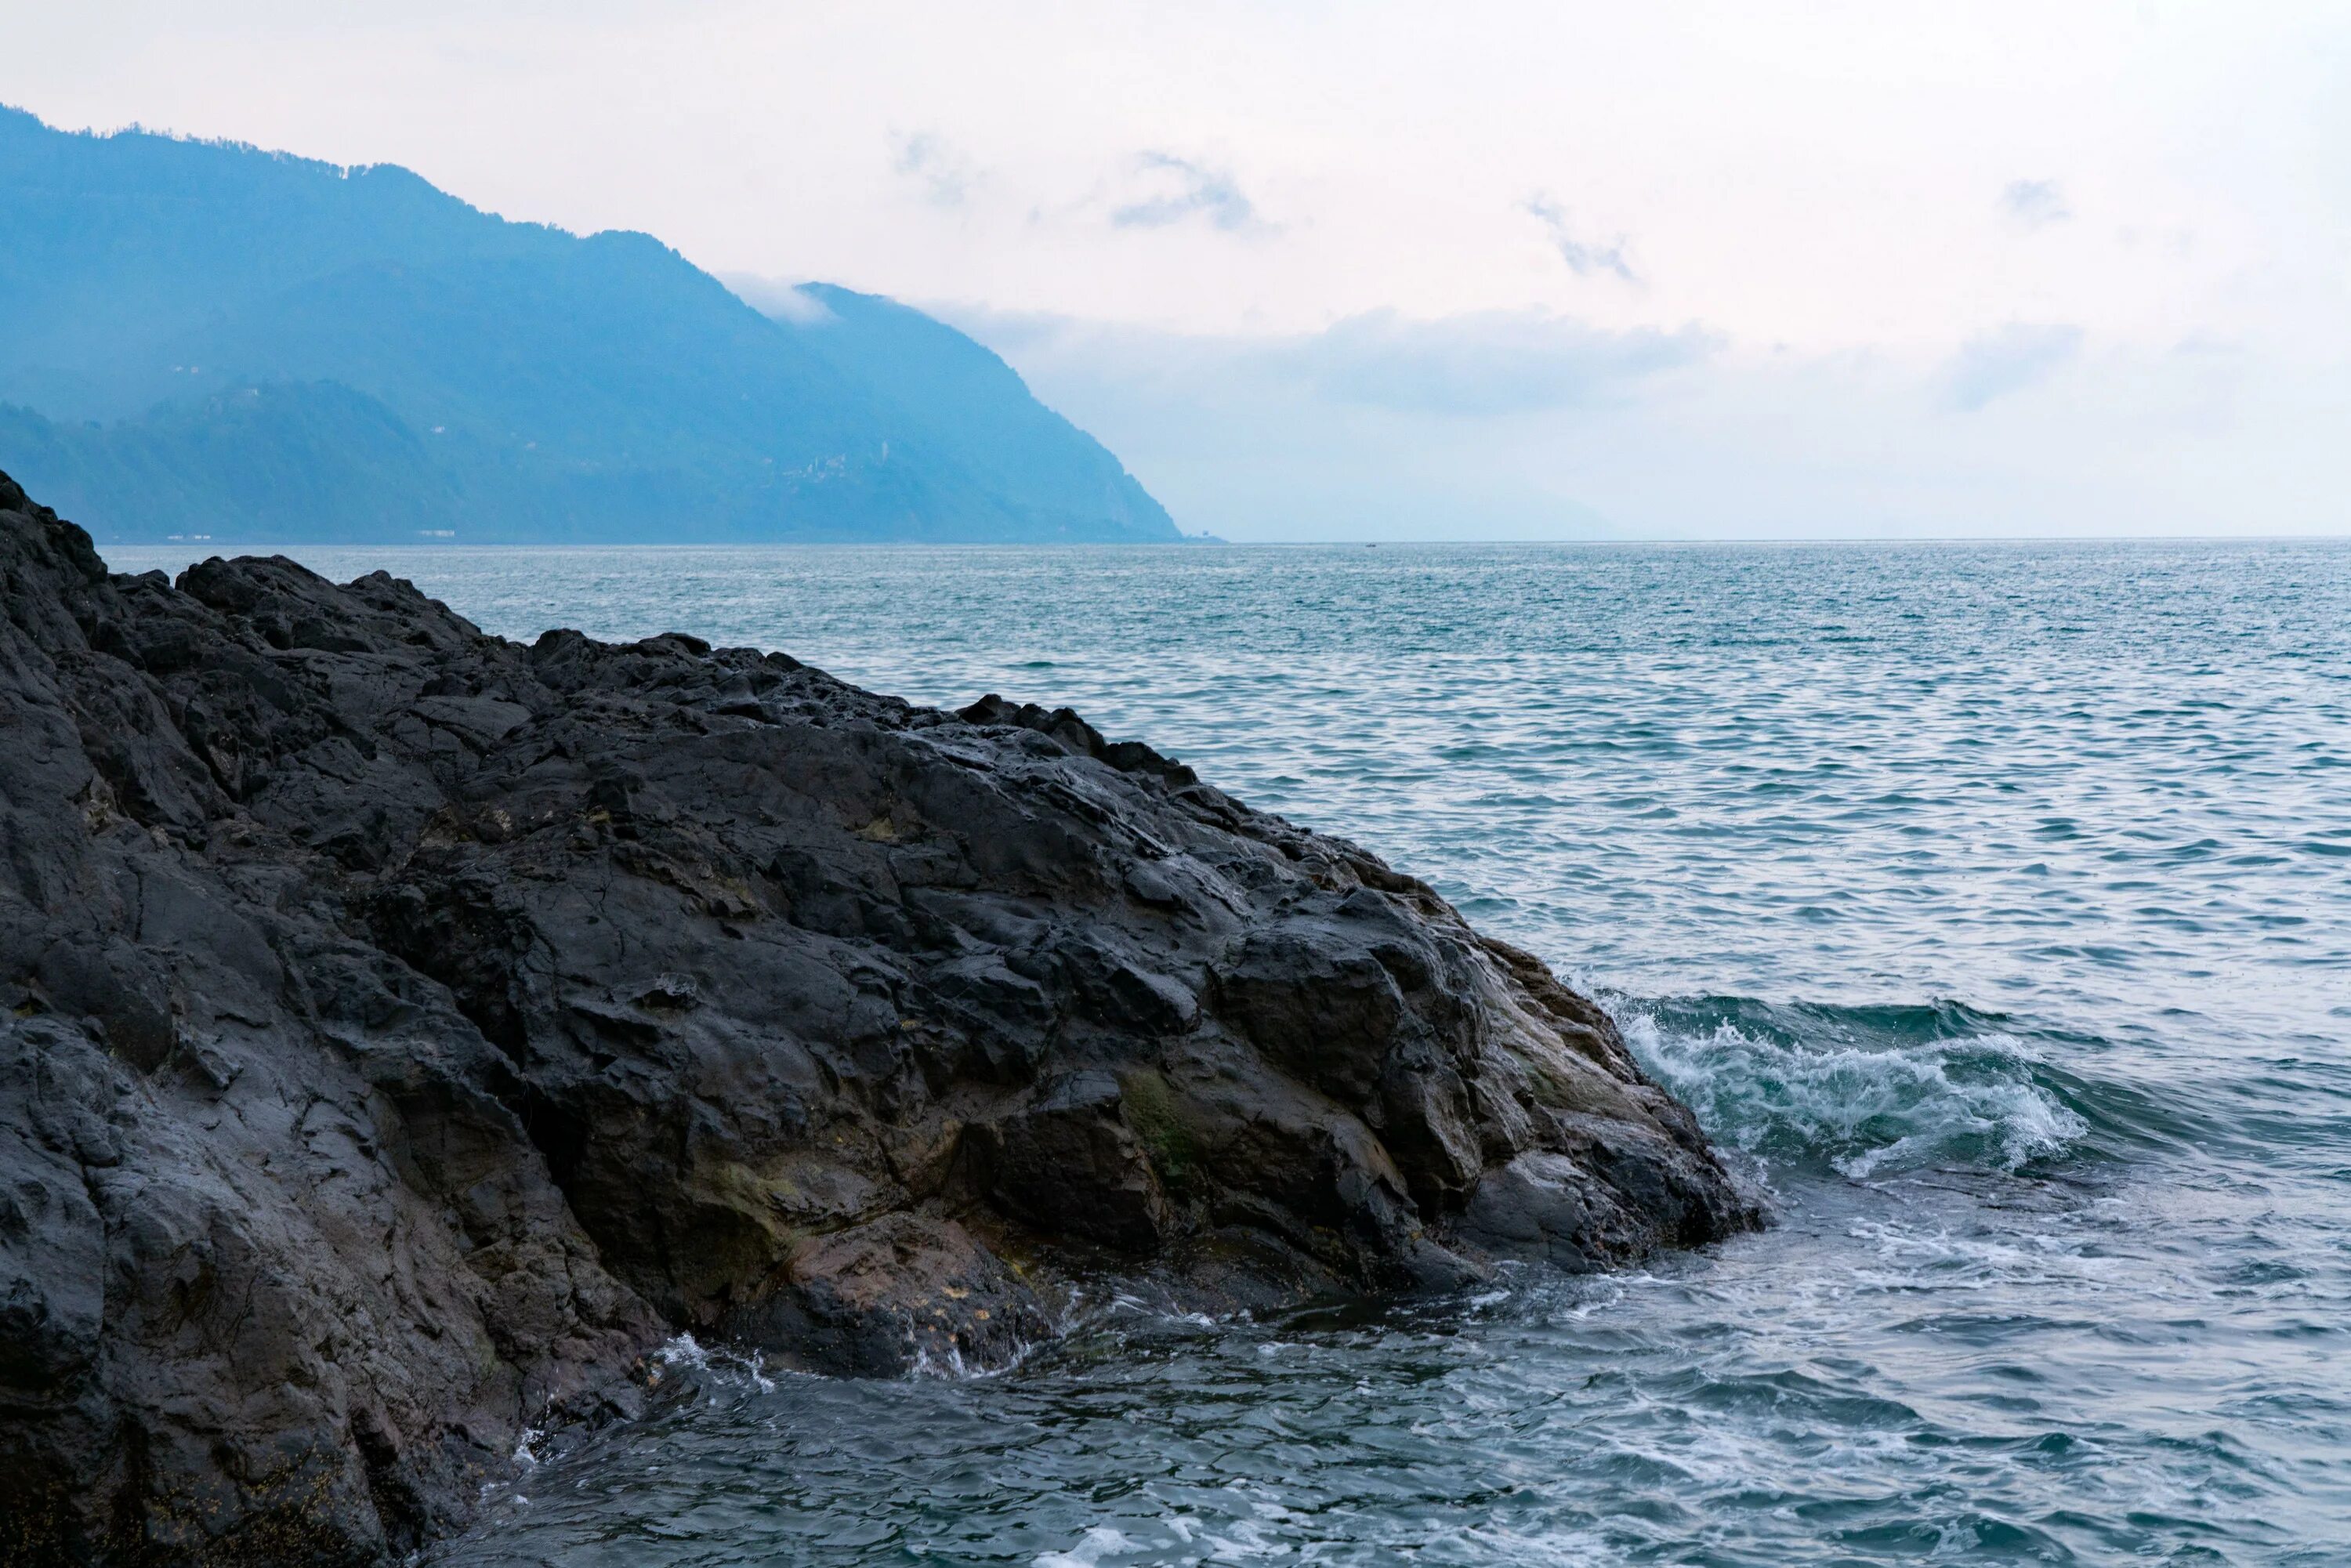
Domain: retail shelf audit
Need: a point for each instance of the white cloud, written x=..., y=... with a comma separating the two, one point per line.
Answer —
x=2034, y=203
x=1823, y=188
x=1494, y=362
x=1584, y=257
x=1170, y=190
x=2009, y=360
x=1240, y=436
x=785, y=301
x=942, y=174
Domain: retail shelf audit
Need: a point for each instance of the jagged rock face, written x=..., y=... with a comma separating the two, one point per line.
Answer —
x=409, y=1029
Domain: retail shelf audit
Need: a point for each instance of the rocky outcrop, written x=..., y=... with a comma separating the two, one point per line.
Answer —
x=407, y=1029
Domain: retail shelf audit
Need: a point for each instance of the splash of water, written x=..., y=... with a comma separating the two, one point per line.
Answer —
x=1864, y=1107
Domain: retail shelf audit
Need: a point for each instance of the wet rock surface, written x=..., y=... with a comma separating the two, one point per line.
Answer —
x=408, y=1029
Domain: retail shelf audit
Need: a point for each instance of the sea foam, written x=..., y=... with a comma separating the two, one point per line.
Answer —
x=1865, y=1108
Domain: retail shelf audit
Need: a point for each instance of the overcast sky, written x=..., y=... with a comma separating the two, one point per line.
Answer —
x=1461, y=270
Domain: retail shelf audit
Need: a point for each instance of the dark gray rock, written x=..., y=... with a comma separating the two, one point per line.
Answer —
x=407, y=1029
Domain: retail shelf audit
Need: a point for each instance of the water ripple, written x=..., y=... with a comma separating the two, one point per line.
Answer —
x=1990, y=901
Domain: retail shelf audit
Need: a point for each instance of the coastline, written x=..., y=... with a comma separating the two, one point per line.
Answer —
x=457, y=1019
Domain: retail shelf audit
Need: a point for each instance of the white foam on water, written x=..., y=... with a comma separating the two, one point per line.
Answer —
x=682, y=1350
x=1553, y=1548
x=1091, y=1549
x=951, y=1367
x=731, y=1368
x=1912, y=1259
x=1970, y=1102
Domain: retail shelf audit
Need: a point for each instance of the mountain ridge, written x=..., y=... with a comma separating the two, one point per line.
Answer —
x=547, y=387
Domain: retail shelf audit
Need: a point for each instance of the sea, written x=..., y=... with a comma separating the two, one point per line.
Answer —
x=1990, y=903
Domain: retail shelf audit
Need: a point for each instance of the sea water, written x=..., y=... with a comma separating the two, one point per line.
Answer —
x=1992, y=905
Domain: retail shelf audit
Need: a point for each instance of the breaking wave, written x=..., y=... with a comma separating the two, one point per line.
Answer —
x=1867, y=1091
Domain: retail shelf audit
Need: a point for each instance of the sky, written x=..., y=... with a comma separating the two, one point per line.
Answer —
x=1474, y=270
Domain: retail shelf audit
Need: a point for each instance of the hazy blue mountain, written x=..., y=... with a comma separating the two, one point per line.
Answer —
x=963, y=402
x=204, y=337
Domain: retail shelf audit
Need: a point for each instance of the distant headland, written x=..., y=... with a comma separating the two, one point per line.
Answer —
x=206, y=339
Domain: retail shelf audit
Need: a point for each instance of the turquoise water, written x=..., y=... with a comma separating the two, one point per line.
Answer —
x=1994, y=905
